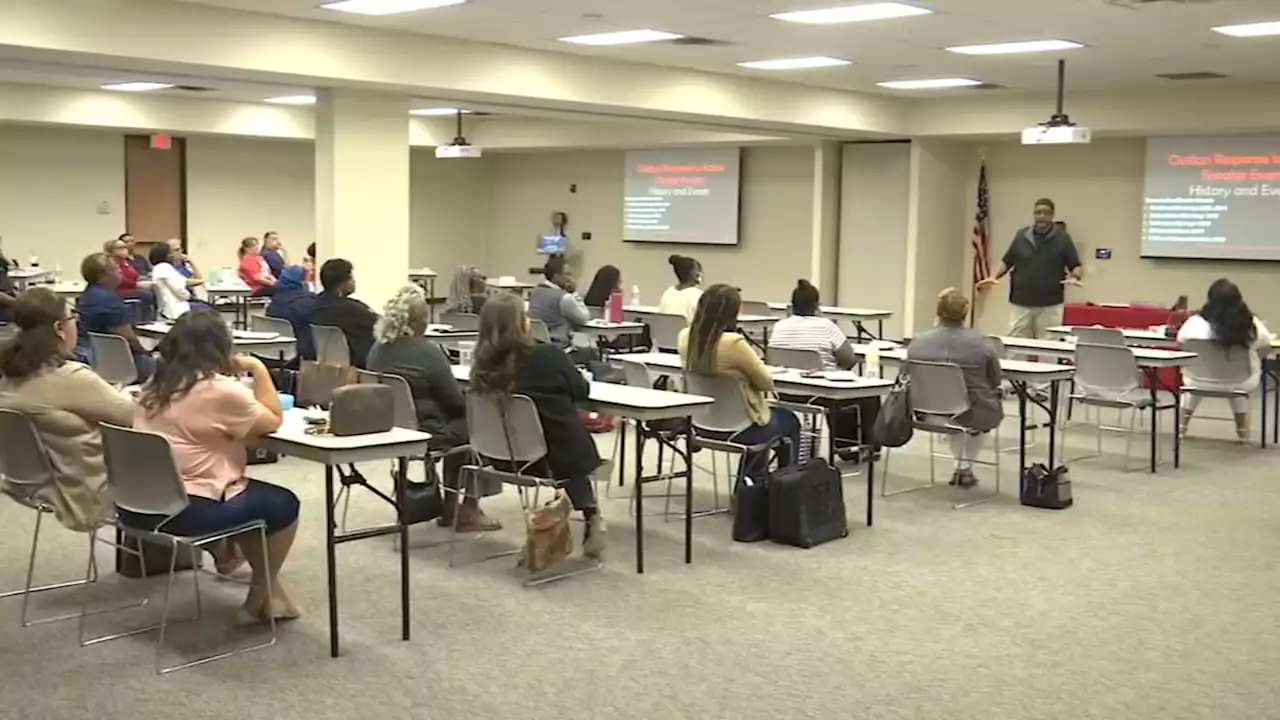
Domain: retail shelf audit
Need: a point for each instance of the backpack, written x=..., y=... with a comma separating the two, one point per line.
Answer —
x=895, y=424
x=806, y=504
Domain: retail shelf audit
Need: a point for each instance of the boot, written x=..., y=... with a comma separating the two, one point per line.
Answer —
x=472, y=519
x=593, y=537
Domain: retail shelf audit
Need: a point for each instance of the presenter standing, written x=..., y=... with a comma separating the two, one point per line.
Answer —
x=1043, y=261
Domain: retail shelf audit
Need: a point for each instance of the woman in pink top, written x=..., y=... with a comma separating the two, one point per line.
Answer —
x=208, y=415
x=254, y=270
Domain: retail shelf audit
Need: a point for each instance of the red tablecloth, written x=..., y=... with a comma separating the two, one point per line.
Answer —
x=1128, y=316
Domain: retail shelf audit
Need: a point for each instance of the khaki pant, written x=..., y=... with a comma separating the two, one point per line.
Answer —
x=1034, y=322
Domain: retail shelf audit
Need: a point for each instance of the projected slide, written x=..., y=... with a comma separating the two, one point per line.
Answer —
x=682, y=196
x=1212, y=197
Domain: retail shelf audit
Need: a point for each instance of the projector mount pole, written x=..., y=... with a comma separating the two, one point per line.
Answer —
x=459, y=139
x=1060, y=117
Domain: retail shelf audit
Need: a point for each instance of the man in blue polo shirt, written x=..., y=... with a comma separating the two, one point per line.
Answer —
x=101, y=310
x=273, y=252
x=1043, y=261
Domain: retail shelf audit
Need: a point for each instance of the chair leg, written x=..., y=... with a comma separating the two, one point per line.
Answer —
x=164, y=609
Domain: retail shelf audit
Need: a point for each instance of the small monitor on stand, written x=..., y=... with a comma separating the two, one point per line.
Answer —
x=552, y=244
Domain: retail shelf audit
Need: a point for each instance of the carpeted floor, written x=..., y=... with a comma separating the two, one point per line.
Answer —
x=1155, y=597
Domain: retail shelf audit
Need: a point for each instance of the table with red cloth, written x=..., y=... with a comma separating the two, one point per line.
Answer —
x=1123, y=316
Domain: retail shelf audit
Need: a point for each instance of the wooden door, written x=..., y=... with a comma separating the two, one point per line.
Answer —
x=155, y=189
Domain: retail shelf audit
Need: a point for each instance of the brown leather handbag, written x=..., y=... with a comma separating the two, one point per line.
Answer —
x=362, y=410
x=548, y=539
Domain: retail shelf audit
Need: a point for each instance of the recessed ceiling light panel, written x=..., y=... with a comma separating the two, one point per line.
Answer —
x=387, y=7
x=292, y=100
x=1027, y=46
x=623, y=37
x=853, y=13
x=802, y=63
x=930, y=84
x=428, y=112
x=137, y=86
x=1258, y=29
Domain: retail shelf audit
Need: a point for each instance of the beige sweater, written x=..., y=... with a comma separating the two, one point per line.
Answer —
x=735, y=358
x=66, y=404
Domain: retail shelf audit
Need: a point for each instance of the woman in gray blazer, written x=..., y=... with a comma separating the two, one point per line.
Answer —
x=952, y=342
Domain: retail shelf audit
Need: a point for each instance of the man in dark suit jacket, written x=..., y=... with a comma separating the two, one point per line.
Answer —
x=335, y=307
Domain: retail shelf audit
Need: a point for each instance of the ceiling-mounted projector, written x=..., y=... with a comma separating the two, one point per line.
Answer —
x=1058, y=130
x=459, y=148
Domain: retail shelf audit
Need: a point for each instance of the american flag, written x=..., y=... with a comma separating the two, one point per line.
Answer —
x=982, y=230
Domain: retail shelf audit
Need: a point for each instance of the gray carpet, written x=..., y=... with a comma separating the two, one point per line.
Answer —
x=1155, y=597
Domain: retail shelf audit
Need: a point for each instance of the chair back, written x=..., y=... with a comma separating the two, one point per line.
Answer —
x=331, y=345
x=755, y=307
x=460, y=321
x=938, y=390
x=113, y=359
x=539, y=331
x=729, y=413
x=265, y=324
x=405, y=414
x=1105, y=370
x=24, y=465
x=142, y=473
x=636, y=373
x=1099, y=335
x=665, y=329
x=1218, y=365
x=505, y=428
x=997, y=346
x=794, y=359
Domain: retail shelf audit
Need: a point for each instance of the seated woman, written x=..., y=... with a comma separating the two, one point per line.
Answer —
x=294, y=301
x=607, y=281
x=101, y=310
x=173, y=289
x=682, y=298
x=509, y=361
x=711, y=346
x=208, y=416
x=402, y=350
x=1226, y=320
x=66, y=401
x=121, y=252
x=952, y=342
x=805, y=329
x=253, y=268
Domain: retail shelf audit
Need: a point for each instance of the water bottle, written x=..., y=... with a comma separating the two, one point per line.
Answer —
x=614, y=307
x=57, y=273
x=635, y=296
x=873, y=362
x=35, y=261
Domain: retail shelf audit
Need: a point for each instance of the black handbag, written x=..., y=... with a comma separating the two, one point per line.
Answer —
x=806, y=505
x=751, y=513
x=422, y=502
x=156, y=555
x=895, y=424
x=1045, y=488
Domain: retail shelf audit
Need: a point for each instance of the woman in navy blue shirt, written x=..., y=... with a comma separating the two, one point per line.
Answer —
x=101, y=310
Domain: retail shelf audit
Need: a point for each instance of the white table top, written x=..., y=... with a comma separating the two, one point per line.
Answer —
x=602, y=327
x=1141, y=336
x=1013, y=369
x=292, y=439
x=791, y=382
x=836, y=311
x=513, y=285
x=242, y=339
x=29, y=273
x=742, y=319
x=228, y=289
x=421, y=273
x=1146, y=357
x=628, y=401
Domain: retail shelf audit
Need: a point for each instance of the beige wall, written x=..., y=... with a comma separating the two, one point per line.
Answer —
x=875, y=193
x=776, y=224
x=51, y=185
x=1098, y=191
x=449, y=214
x=938, y=235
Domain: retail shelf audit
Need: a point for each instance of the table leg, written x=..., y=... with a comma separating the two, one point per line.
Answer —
x=639, y=490
x=871, y=485
x=1155, y=413
x=1053, y=422
x=880, y=328
x=402, y=474
x=1177, y=425
x=1021, y=390
x=1275, y=412
x=688, y=490
x=331, y=560
x=431, y=296
x=622, y=451
x=1265, y=372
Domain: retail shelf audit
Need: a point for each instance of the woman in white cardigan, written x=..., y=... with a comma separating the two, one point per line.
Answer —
x=1226, y=321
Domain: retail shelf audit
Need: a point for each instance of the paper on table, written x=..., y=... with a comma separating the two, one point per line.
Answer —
x=252, y=335
x=841, y=375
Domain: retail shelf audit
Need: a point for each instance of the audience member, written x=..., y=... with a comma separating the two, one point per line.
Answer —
x=66, y=401
x=335, y=307
x=208, y=416
x=712, y=346
x=273, y=253
x=1226, y=320
x=253, y=268
x=309, y=262
x=509, y=361
x=294, y=301
x=173, y=289
x=555, y=303
x=188, y=269
x=139, y=261
x=952, y=342
x=682, y=298
x=467, y=291
x=608, y=280
x=8, y=297
x=100, y=309
x=119, y=251
x=806, y=329
x=441, y=407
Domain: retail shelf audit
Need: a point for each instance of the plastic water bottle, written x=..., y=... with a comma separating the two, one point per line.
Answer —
x=635, y=296
x=57, y=273
x=873, y=362
x=35, y=261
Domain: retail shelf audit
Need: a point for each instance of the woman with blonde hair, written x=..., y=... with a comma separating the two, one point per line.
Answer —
x=952, y=342
x=400, y=349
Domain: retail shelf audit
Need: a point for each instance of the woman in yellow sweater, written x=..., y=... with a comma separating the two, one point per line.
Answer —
x=712, y=345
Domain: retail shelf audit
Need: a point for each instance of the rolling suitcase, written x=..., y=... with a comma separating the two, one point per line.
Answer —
x=806, y=505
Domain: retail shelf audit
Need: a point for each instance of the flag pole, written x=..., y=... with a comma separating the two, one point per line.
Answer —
x=981, y=215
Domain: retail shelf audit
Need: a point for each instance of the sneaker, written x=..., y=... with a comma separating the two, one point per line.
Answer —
x=593, y=539
x=966, y=479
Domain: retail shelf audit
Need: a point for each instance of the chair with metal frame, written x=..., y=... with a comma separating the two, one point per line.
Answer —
x=508, y=430
x=939, y=395
x=793, y=358
x=331, y=345
x=460, y=321
x=113, y=359
x=1107, y=376
x=1217, y=372
x=664, y=329
x=144, y=479
x=538, y=330
x=1098, y=335
x=25, y=471
x=756, y=307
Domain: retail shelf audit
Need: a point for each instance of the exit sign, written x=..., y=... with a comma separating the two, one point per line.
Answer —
x=161, y=141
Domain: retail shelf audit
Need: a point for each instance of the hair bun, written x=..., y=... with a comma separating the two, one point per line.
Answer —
x=674, y=260
x=803, y=283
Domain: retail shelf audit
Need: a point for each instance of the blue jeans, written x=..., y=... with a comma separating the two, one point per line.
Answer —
x=782, y=424
x=274, y=505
